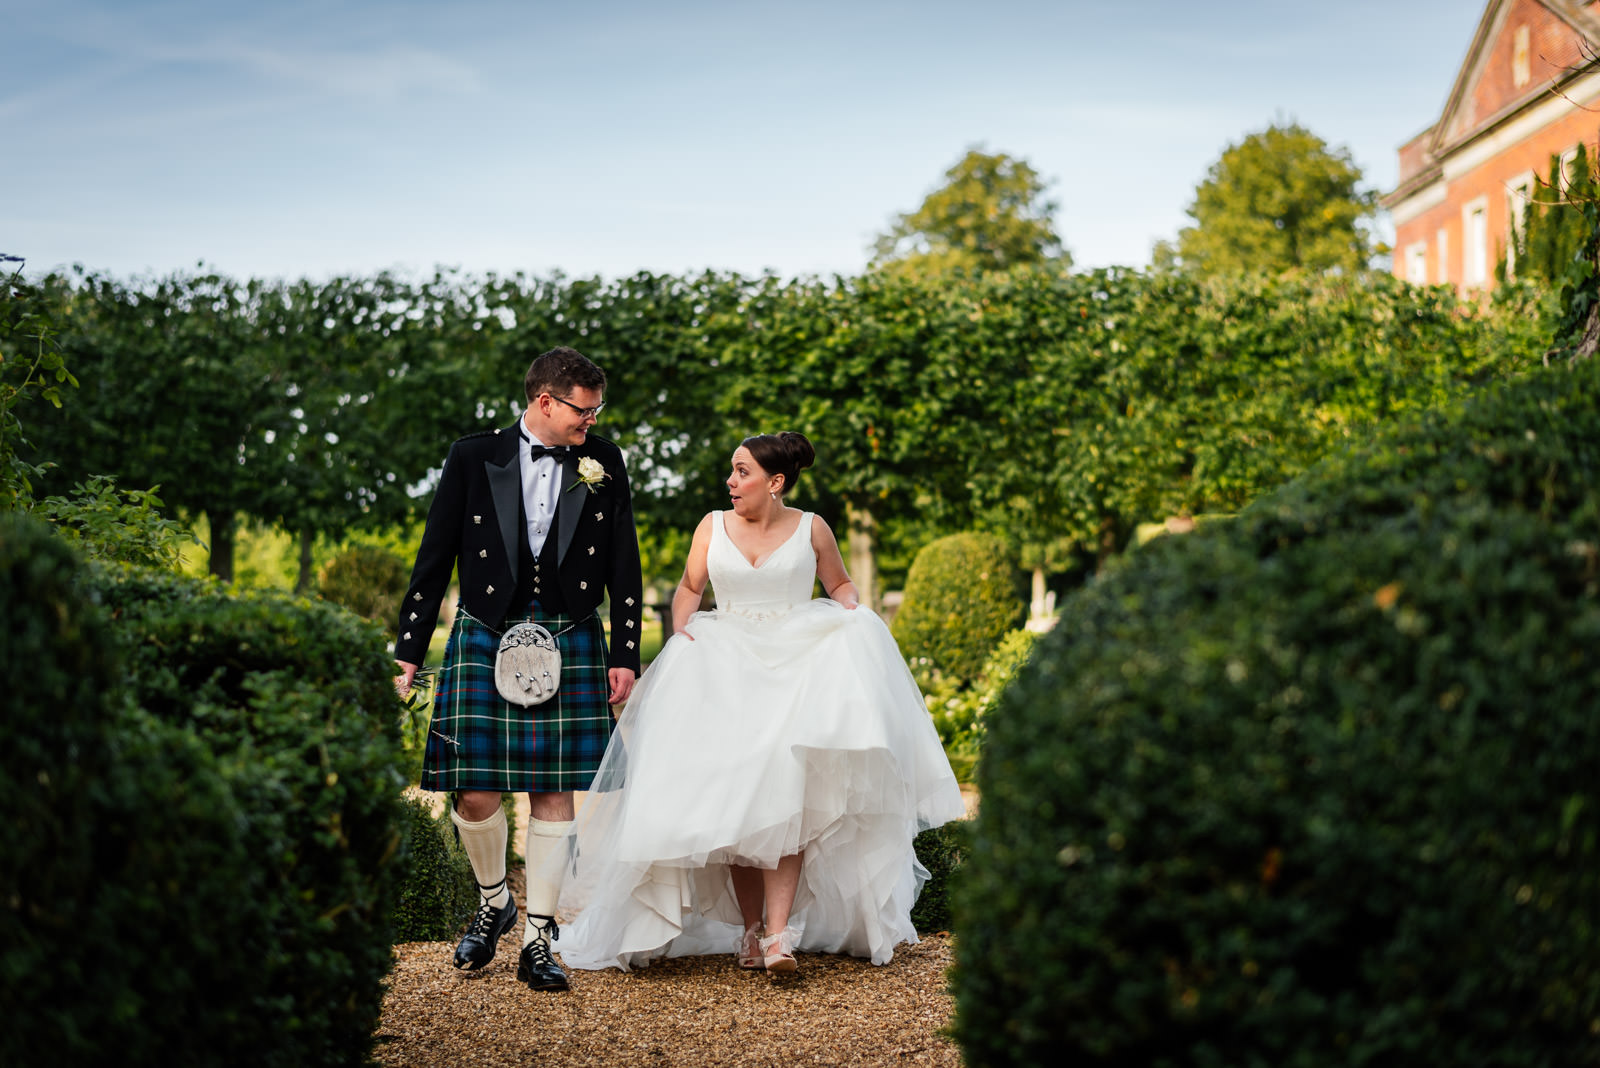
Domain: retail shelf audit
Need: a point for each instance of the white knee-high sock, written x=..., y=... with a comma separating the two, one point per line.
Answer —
x=545, y=840
x=485, y=843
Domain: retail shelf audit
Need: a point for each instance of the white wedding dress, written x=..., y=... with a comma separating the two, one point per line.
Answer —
x=786, y=724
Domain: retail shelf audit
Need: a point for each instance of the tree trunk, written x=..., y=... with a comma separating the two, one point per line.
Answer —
x=1108, y=542
x=302, y=582
x=860, y=526
x=1036, y=606
x=224, y=525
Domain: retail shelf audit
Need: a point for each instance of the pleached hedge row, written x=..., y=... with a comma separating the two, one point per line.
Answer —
x=1318, y=786
x=204, y=843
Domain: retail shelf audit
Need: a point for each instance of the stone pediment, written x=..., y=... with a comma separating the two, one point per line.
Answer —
x=1522, y=53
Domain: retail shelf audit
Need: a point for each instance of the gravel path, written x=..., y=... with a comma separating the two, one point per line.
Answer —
x=688, y=1011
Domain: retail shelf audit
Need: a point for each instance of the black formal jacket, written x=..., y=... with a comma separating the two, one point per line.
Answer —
x=473, y=528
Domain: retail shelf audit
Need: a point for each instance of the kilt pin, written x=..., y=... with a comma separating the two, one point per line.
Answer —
x=477, y=740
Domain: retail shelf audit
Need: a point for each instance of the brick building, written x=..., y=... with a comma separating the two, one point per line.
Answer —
x=1528, y=89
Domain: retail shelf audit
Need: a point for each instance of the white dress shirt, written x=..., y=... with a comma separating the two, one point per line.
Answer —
x=541, y=488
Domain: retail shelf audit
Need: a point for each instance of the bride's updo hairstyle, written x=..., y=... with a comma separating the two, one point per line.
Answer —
x=783, y=454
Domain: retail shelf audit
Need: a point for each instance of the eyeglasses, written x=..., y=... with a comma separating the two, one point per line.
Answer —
x=587, y=413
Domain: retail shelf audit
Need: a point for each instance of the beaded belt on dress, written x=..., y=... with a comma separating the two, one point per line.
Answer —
x=755, y=614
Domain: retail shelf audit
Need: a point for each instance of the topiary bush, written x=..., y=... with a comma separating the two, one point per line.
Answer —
x=439, y=894
x=294, y=700
x=959, y=712
x=123, y=848
x=215, y=878
x=961, y=598
x=940, y=850
x=367, y=580
x=1318, y=786
x=59, y=697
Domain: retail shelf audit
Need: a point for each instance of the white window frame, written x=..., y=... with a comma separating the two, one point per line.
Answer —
x=1442, y=267
x=1417, y=263
x=1475, y=243
x=1519, y=194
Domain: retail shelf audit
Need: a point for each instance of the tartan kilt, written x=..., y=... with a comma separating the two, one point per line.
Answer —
x=479, y=741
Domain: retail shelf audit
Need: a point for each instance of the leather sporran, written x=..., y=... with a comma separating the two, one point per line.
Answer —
x=527, y=666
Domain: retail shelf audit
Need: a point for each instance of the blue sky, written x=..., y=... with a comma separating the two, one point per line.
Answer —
x=287, y=139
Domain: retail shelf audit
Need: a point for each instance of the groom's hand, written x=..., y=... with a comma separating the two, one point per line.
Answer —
x=621, y=684
x=403, y=677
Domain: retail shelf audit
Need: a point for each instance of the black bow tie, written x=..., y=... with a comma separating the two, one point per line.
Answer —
x=558, y=451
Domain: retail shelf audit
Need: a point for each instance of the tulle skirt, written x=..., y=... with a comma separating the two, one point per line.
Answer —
x=760, y=738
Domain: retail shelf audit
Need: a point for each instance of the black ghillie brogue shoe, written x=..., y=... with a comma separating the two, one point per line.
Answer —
x=478, y=944
x=536, y=966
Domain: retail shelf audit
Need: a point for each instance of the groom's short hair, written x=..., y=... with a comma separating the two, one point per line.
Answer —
x=560, y=371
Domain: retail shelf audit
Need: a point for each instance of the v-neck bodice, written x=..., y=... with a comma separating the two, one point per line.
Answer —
x=781, y=581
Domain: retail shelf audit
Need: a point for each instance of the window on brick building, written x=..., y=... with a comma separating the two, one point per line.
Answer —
x=1441, y=243
x=1417, y=263
x=1475, y=243
x=1519, y=192
x=1520, y=73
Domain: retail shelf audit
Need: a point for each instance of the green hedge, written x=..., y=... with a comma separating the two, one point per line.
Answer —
x=940, y=850
x=58, y=700
x=296, y=698
x=229, y=856
x=1317, y=786
x=366, y=579
x=120, y=838
x=961, y=598
x=959, y=711
x=439, y=894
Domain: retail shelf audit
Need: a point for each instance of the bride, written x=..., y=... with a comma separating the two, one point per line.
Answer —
x=766, y=779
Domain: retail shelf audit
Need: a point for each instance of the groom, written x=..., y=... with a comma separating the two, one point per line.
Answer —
x=537, y=521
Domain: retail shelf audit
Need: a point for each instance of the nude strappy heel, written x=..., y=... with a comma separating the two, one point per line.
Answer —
x=778, y=952
x=749, y=949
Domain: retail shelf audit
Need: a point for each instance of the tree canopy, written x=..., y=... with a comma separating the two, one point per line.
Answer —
x=1278, y=200
x=30, y=366
x=990, y=214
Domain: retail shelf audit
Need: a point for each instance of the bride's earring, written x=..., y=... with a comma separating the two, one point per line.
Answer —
x=774, y=496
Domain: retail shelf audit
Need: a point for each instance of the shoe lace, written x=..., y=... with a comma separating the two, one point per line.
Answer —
x=483, y=923
x=539, y=954
x=539, y=949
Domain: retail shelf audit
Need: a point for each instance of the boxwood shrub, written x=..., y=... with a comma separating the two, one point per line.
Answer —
x=958, y=711
x=939, y=849
x=120, y=836
x=219, y=882
x=366, y=579
x=961, y=598
x=1318, y=786
x=295, y=699
x=439, y=894
x=59, y=696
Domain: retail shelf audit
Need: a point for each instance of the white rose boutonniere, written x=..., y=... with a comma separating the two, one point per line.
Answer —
x=590, y=473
